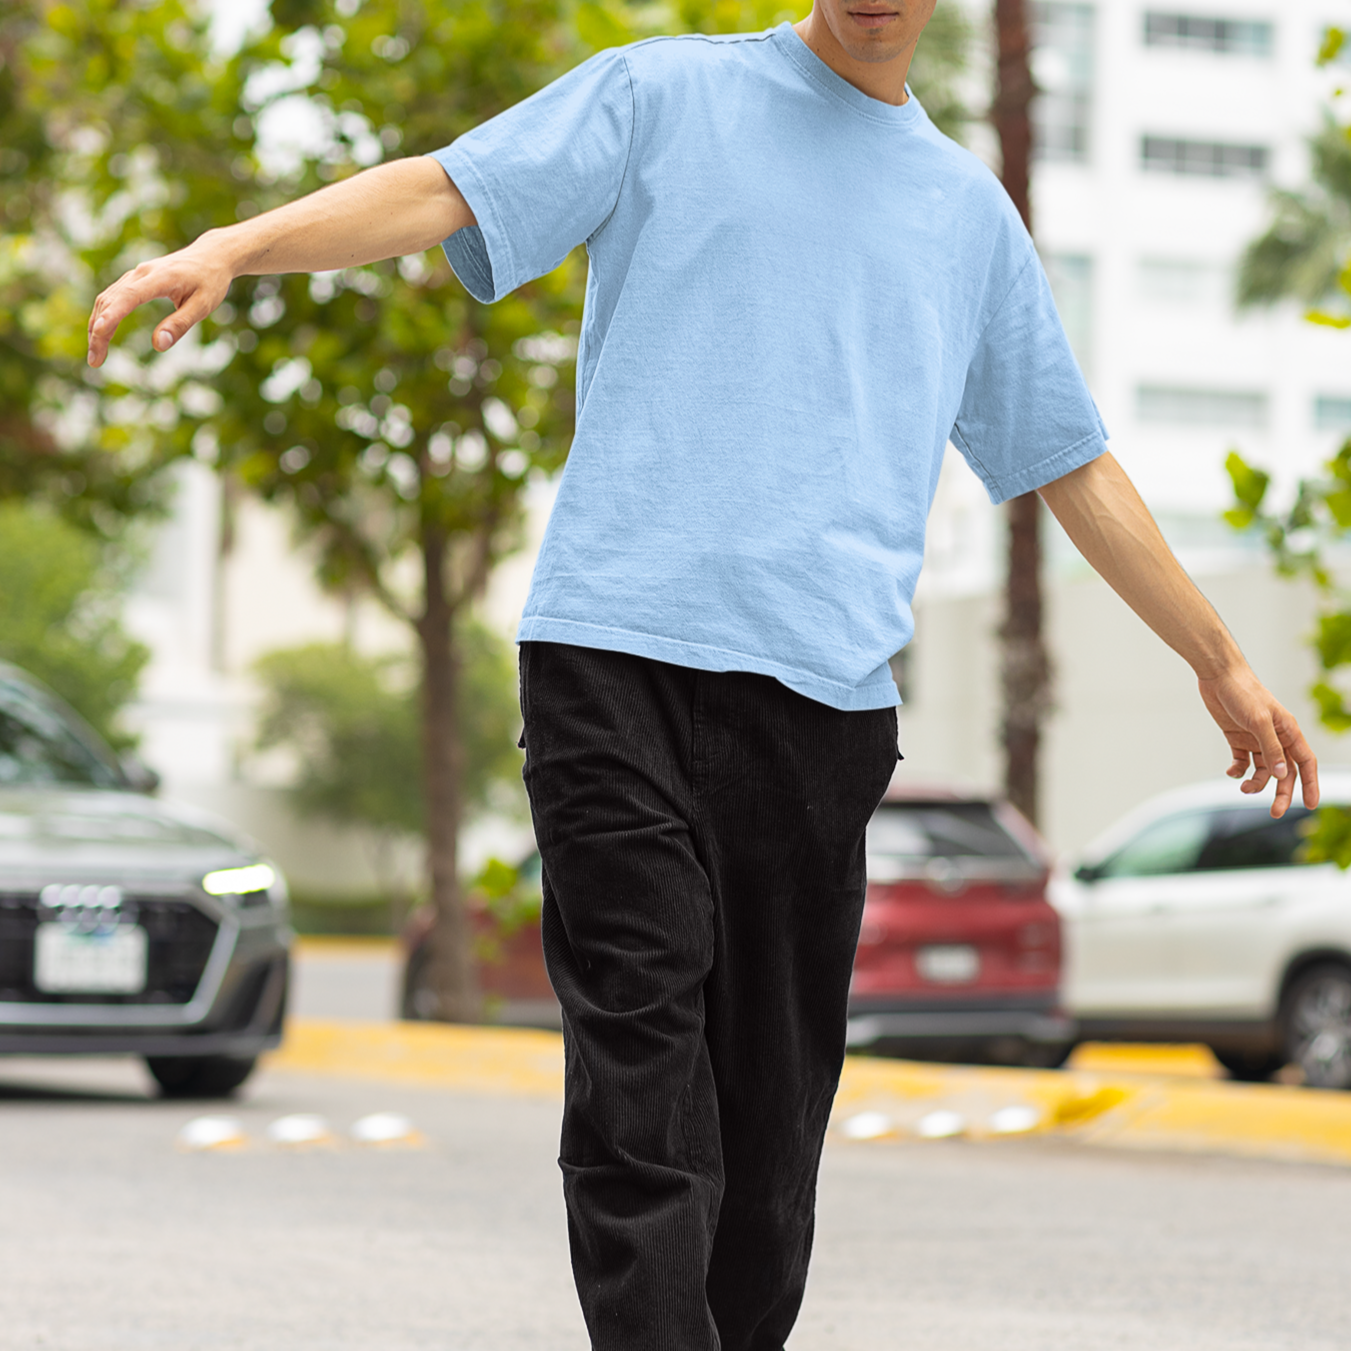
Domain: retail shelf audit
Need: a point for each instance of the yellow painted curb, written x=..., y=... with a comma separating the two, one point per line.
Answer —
x=342, y=945
x=1158, y=1111
x=506, y=1060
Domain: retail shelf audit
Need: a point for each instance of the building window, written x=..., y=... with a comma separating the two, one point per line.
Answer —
x=1231, y=37
x=1204, y=159
x=1332, y=413
x=1071, y=278
x=1062, y=63
x=1200, y=407
x=1184, y=281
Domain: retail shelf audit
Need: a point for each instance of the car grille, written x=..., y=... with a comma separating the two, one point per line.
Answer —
x=179, y=941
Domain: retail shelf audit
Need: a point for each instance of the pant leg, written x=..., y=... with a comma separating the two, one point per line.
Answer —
x=702, y=844
x=784, y=788
x=629, y=941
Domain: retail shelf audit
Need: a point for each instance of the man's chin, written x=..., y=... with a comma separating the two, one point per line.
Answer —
x=873, y=50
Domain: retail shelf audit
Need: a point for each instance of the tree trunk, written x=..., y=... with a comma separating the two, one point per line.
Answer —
x=1024, y=667
x=452, y=966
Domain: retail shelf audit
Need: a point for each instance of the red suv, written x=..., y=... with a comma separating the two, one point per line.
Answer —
x=959, y=951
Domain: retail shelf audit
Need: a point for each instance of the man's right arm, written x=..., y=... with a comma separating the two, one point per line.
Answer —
x=395, y=209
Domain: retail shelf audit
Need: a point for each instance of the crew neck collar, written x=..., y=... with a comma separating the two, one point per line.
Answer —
x=792, y=46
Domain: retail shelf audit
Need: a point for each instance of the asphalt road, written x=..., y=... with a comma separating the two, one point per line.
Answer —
x=112, y=1239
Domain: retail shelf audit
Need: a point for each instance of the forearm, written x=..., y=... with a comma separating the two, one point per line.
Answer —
x=394, y=209
x=386, y=212
x=1103, y=515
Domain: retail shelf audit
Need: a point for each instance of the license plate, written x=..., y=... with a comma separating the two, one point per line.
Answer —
x=948, y=963
x=66, y=961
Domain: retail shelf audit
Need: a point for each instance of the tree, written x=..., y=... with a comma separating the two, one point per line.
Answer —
x=1304, y=255
x=398, y=418
x=353, y=724
x=93, y=459
x=1025, y=674
x=59, y=618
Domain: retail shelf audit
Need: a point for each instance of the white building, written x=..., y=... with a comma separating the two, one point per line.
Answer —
x=1162, y=128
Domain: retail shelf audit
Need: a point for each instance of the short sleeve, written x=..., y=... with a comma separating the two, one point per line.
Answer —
x=1026, y=416
x=541, y=177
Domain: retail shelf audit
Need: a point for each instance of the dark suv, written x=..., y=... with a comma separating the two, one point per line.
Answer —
x=127, y=925
x=959, y=951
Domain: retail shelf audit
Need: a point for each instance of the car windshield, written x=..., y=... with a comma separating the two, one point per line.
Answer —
x=40, y=745
x=925, y=830
x=1211, y=841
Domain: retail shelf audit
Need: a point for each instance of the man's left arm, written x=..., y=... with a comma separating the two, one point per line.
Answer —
x=1102, y=513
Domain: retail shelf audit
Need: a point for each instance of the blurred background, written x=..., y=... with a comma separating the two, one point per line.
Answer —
x=283, y=562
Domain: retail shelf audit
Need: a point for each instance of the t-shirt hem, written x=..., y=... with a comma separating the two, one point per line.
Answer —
x=1038, y=475
x=701, y=657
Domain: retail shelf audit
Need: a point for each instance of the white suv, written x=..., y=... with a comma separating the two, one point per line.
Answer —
x=1193, y=920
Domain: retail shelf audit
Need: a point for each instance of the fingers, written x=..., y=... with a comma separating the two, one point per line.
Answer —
x=192, y=311
x=1270, y=750
x=129, y=292
x=192, y=289
x=1263, y=737
x=1300, y=752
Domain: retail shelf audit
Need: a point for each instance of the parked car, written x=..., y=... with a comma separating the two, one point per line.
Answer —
x=1194, y=920
x=127, y=925
x=959, y=950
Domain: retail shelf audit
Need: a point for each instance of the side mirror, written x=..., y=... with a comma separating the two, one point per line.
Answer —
x=140, y=778
x=1086, y=872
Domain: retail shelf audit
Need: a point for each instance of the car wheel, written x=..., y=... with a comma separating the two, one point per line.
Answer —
x=1249, y=1067
x=1046, y=1055
x=418, y=1002
x=1317, y=1018
x=200, y=1076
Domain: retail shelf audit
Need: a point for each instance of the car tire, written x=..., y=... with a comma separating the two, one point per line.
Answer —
x=204, y=1076
x=1046, y=1055
x=418, y=1002
x=1248, y=1067
x=1316, y=1017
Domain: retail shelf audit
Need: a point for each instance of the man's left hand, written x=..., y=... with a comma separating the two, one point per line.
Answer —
x=1262, y=736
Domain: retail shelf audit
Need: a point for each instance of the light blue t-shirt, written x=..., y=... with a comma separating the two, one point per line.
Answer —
x=797, y=295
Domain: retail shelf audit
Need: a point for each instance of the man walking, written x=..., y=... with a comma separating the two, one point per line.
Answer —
x=799, y=293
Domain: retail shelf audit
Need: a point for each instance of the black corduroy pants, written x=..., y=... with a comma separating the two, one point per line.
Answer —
x=702, y=838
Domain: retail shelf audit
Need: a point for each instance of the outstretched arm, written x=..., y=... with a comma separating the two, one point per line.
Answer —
x=386, y=212
x=1109, y=524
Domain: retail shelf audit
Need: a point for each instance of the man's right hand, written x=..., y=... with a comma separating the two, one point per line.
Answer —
x=196, y=279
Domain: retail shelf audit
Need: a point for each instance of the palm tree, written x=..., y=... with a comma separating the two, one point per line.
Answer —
x=1305, y=248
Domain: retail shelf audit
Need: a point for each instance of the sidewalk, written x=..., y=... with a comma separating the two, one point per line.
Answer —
x=1156, y=1098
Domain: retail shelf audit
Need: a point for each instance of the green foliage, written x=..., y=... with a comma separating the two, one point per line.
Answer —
x=353, y=730
x=1250, y=487
x=354, y=724
x=59, y=616
x=1329, y=840
x=1306, y=255
x=510, y=894
x=118, y=127
x=1303, y=252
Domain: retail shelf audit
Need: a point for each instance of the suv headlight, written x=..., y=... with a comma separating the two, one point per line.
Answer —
x=239, y=881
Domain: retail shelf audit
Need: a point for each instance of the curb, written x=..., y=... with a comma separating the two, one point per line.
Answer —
x=1156, y=1104
x=343, y=945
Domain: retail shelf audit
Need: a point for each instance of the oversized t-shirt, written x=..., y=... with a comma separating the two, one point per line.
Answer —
x=797, y=295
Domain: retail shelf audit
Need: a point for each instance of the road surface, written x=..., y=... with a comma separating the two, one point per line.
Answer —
x=115, y=1240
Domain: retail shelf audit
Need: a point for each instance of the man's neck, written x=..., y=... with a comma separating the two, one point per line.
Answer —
x=882, y=80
